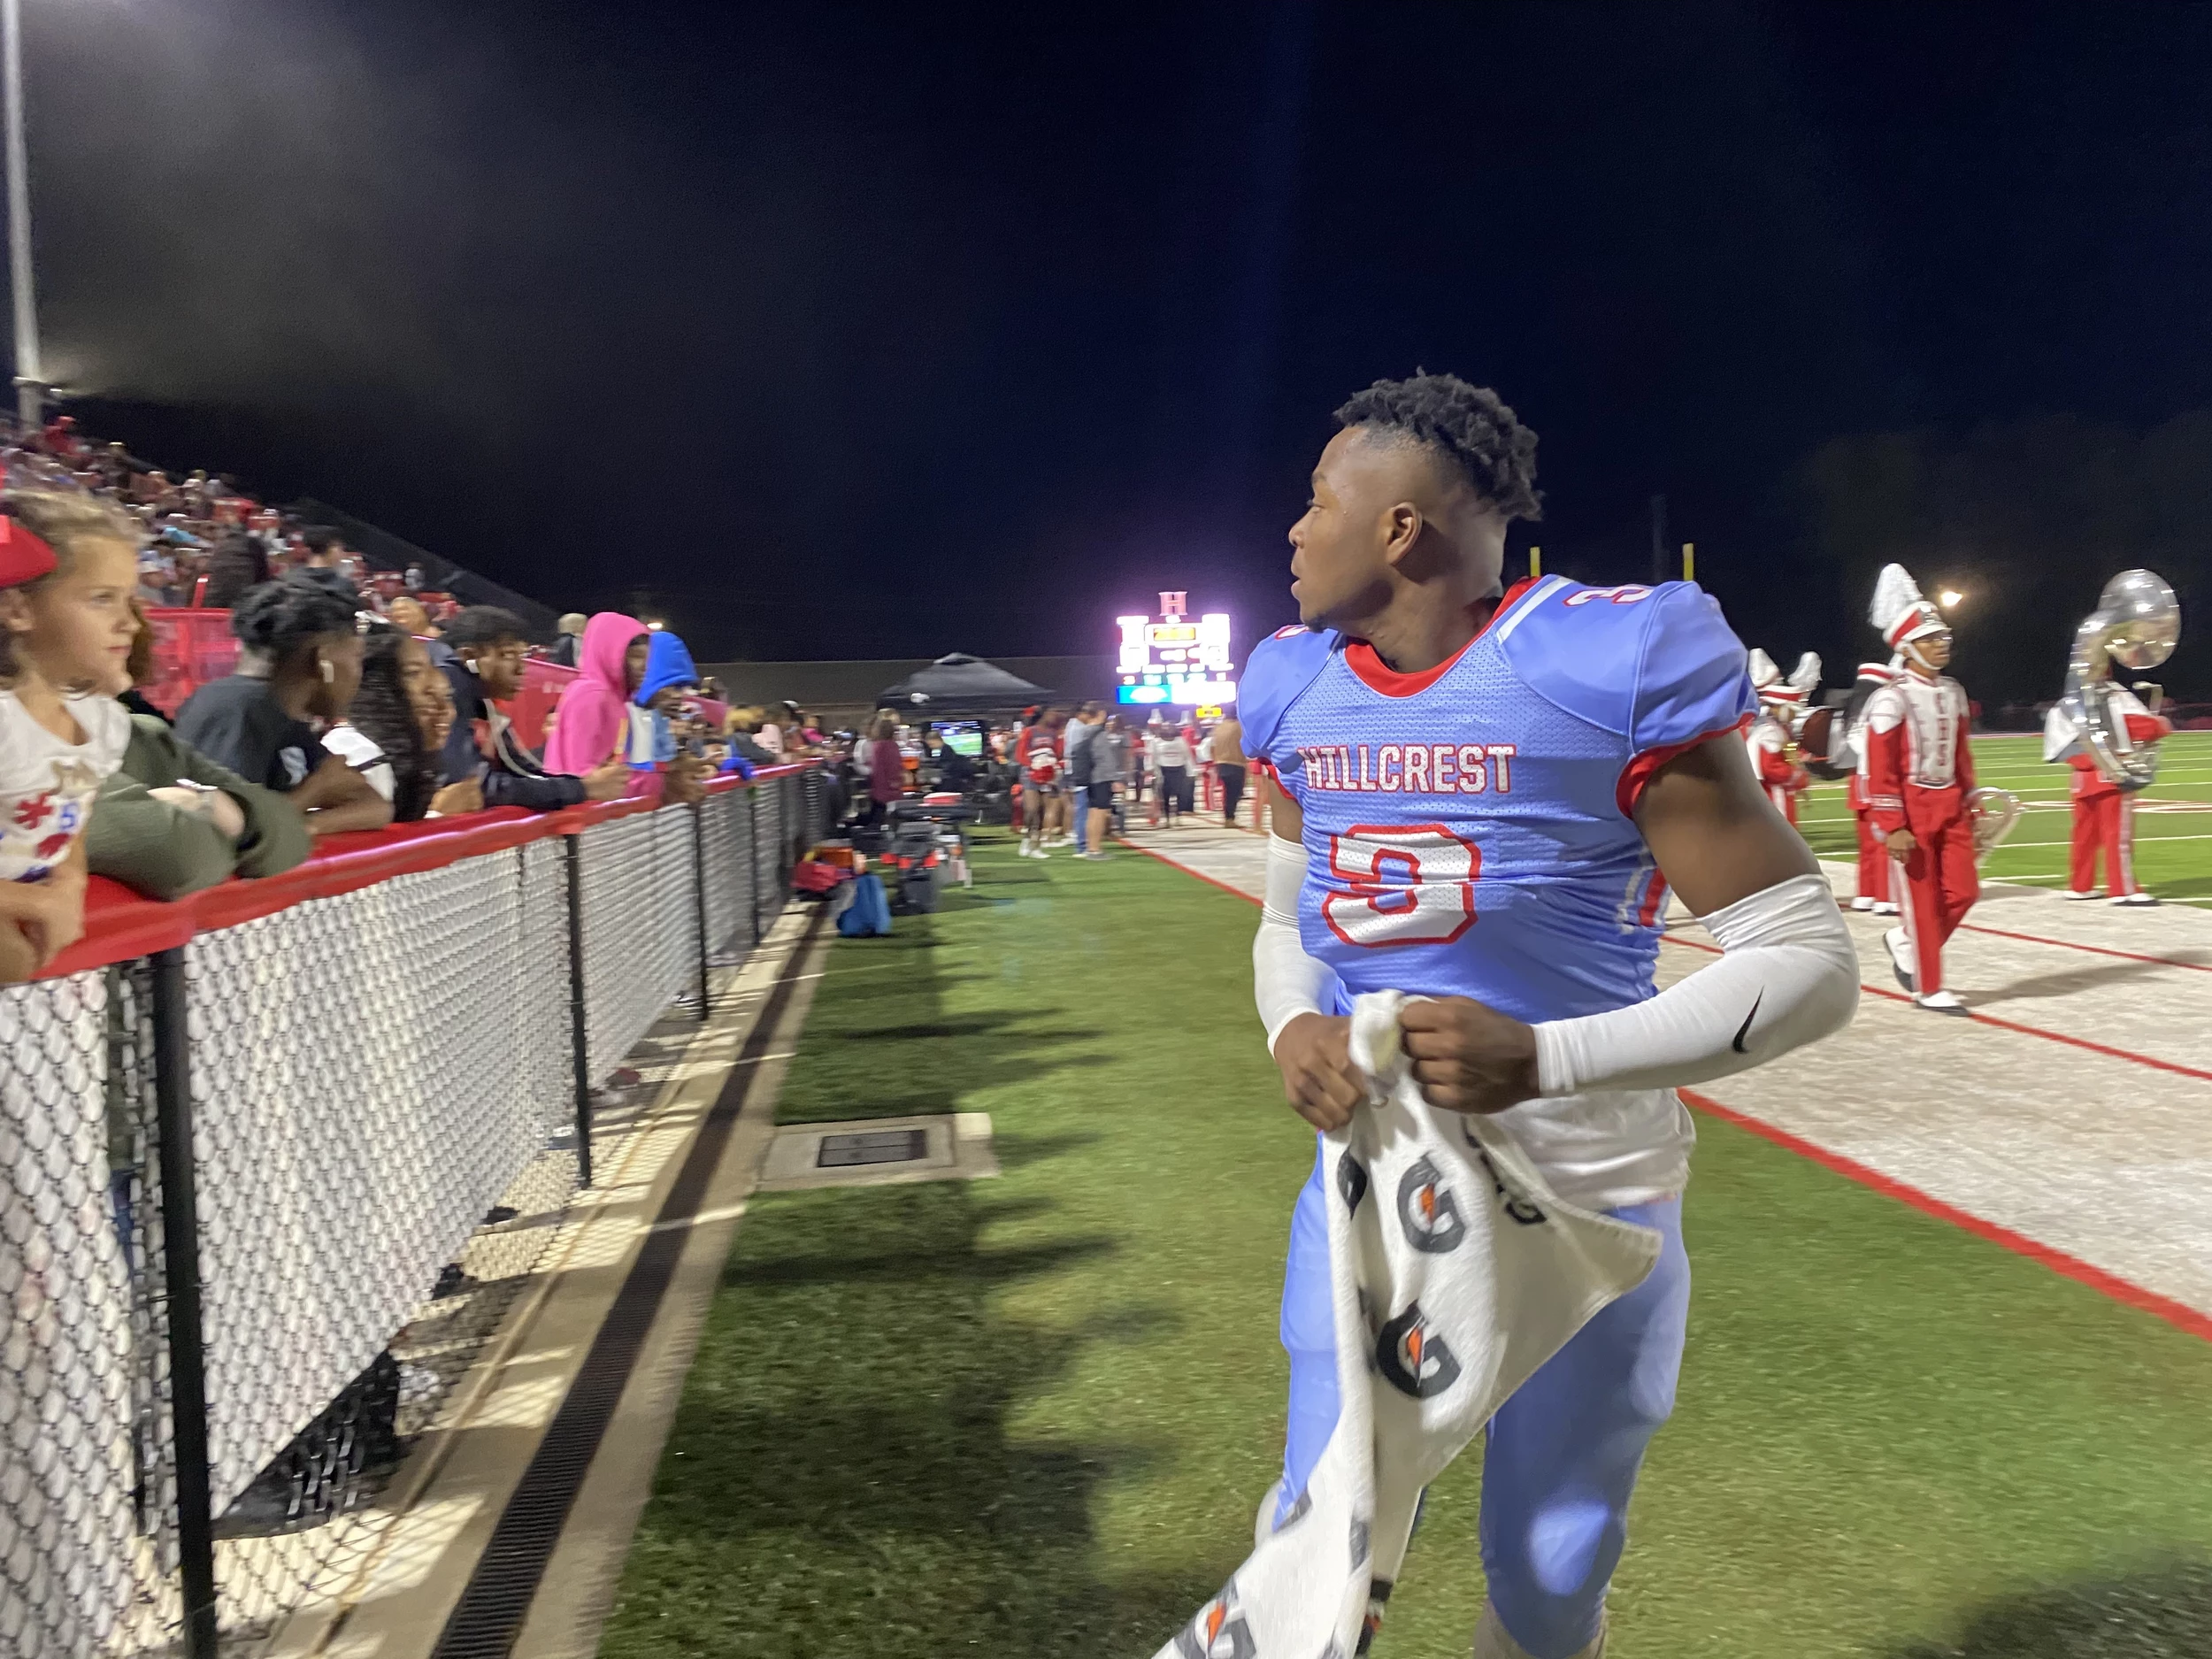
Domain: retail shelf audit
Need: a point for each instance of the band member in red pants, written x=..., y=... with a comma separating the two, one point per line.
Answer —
x=1874, y=860
x=1919, y=772
x=2104, y=813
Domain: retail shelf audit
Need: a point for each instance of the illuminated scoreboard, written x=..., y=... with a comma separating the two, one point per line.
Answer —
x=1179, y=662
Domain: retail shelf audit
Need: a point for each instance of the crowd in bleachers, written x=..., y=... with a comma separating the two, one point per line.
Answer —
x=207, y=540
x=359, y=698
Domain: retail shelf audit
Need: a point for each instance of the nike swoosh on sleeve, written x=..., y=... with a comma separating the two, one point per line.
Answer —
x=1744, y=1030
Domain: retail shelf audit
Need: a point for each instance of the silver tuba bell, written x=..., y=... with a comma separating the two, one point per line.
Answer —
x=1991, y=813
x=2136, y=625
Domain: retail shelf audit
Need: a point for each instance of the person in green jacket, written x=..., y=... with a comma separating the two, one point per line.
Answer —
x=170, y=821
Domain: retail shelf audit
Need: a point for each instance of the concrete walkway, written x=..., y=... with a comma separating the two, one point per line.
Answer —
x=2075, y=1109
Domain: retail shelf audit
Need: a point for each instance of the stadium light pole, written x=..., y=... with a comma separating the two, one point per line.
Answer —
x=30, y=376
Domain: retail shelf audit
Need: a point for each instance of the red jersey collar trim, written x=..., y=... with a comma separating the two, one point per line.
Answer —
x=1378, y=675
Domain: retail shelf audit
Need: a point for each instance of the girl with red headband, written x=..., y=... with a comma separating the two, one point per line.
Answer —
x=68, y=565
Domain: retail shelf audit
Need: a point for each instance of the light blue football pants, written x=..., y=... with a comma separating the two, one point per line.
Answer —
x=1561, y=1455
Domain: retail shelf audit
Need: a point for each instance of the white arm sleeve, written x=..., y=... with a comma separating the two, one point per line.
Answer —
x=1788, y=975
x=1285, y=981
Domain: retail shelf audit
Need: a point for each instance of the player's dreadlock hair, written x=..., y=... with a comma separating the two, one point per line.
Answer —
x=382, y=714
x=1468, y=425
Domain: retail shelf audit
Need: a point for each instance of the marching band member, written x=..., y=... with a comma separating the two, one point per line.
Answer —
x=1768, y=736
x=2104, y=813
x=1874, y=871
x=1919, y=772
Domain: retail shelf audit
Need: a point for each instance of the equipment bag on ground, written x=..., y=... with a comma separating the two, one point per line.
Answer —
x=869, y=915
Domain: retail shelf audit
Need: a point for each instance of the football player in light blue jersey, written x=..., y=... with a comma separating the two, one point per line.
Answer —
x=1483, y=797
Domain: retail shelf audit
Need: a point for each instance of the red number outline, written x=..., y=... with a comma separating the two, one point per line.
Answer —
x=1371, y=894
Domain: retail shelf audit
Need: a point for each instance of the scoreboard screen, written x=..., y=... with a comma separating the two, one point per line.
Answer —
x=1179, y=661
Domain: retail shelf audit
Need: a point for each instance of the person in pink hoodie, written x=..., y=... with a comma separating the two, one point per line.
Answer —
x=595, y=720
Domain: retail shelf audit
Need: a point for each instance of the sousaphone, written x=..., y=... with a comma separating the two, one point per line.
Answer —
x=2136, y=626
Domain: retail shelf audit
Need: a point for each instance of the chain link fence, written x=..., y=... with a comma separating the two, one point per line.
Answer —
x=266, y=1196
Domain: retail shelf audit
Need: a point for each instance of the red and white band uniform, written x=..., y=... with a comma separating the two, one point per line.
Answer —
x=1784, y=781
x=2104, y=813
x=1873, y=856
x=1919, y=772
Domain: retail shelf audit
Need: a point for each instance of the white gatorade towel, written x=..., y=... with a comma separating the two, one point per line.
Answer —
x=1456, y=1272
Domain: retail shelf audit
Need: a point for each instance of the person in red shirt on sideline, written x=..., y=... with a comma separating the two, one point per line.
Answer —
x=1919, y=772
x=1041, y=770
x=2104, y=813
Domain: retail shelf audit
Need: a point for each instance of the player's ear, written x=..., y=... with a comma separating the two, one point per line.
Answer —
x=1401, y=531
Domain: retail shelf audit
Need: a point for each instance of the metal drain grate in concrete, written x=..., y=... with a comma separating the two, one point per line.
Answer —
x=885, y=1145
x=879, y=1152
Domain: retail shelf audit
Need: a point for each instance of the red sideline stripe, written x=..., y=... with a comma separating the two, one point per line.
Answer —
x=2179, y=1314
x=2101, y=950
x=2008, y=1024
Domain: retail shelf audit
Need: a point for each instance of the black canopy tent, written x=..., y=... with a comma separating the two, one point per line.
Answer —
x=960, y=687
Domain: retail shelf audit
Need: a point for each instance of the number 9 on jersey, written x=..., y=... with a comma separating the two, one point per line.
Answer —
x=1410, y=884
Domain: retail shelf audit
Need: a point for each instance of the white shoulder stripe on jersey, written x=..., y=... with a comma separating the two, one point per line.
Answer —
x=1530, y=600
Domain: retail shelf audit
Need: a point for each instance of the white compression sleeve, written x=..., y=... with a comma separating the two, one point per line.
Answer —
x=1285, y=981
x=1788, y=975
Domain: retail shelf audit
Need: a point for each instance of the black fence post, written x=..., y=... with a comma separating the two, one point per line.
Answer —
x=752, y=863
x=580, y=1033
x=699, y=896
x=181, y=1259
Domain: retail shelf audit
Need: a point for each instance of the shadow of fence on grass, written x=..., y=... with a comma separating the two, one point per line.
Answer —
x=852, y=1474
x=2163, y=1611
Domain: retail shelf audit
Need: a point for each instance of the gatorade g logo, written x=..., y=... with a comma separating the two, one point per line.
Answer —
x=1426, y=1211
x=1413, y=1359
x=1523, y=1210
x=1351, y=1181
x=1219, y=1632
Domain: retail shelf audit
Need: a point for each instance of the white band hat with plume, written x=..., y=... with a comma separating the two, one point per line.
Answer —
x=1900, y=611
x=1766, y=680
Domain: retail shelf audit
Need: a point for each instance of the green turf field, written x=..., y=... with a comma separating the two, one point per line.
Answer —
x=2173, y=821
x=1033, y=1416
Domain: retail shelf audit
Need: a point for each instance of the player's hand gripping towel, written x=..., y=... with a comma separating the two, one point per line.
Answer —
x=1457, y=1273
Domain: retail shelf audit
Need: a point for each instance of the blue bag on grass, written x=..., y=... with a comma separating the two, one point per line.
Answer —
x=869, y=913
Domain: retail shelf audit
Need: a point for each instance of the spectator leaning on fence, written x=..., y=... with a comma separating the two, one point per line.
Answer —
x=299, y=662
x=170, y=821
x=68, y=565
x=669, y=674
x=594, y=721
x=769, y=734
x=488, y=650
x=404, y=711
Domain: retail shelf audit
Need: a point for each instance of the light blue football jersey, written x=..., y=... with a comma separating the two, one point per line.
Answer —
x=1468, y=829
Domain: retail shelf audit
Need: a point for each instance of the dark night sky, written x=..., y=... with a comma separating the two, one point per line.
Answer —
x=858, y=331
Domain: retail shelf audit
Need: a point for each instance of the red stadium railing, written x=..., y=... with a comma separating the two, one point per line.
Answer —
x=242, y=1135
x=191, y=647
